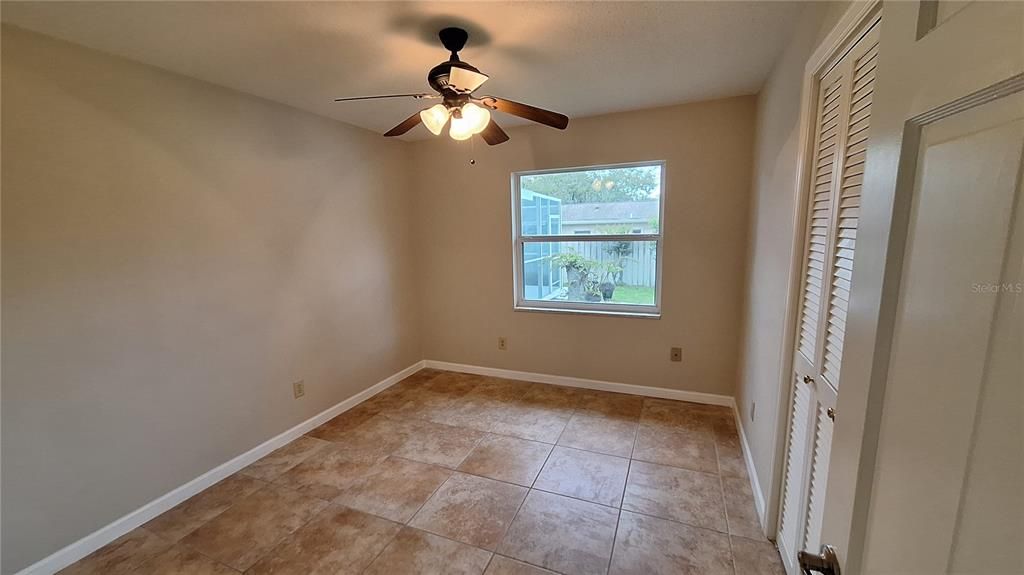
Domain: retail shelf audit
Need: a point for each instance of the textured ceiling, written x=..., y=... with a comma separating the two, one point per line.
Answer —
x=578, y=58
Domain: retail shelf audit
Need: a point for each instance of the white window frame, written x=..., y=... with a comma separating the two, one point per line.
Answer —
x=596, y=308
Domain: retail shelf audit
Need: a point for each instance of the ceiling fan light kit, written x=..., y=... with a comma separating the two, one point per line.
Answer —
x=455, y=81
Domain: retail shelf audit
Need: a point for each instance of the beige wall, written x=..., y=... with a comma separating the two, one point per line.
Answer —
x=771, y=235
x=175, y=255
x=464, y=275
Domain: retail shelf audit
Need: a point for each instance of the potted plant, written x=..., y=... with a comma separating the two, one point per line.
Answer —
x=612, y=270
x=578, y=270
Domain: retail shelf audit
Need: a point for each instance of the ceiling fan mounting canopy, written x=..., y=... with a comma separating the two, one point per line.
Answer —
x=455, y=81
x=453, y=39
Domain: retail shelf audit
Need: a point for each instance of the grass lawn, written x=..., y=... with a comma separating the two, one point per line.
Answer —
x=633, y=294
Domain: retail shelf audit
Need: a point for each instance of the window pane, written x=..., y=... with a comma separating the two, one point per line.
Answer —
x=623, y=200
x=590, y=272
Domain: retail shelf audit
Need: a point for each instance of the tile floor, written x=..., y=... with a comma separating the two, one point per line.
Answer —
x=454, y=473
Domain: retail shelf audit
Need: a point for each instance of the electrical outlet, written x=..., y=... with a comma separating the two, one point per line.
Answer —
x=753, y=409
x=677, y=354
x=299, y=388
x=502, y=343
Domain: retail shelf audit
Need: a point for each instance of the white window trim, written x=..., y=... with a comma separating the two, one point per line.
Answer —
x=597, y=308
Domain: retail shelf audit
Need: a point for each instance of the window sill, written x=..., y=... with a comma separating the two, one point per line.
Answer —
x=577, y=311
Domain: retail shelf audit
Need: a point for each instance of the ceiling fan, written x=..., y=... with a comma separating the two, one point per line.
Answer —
x=455, y=81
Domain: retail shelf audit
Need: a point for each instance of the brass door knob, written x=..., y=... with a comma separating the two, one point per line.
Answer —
x=831, y=413
x=808, y=379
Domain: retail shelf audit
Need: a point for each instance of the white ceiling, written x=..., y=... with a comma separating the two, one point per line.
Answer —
x=578, y=58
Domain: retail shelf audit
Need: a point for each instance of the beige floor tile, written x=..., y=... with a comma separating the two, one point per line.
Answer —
x=675, y=415
x=471, y=509
x=120, y=556
x=453, y=383
x=253, y=526
x=395, y=488
x=600, y=434
x=584, y=475
x=730, y=461
x=505, y=566
x=419, y=403
x=535, y=423
x=692, y=497
x=283, y=459
x=338, y=540
x=740, y=508
x=650, y=546
x=756, y=557
x=506, y=458
x=505, y=390
x=329, y=471
x=551, y=398
x=194, y=512
x=438, y=444
x=472, y=411
x=611, y=405
x=338, y=428
x=378, y=437
x=562, y=534
x=680, y=448
x=415, y=552
x=183, y=560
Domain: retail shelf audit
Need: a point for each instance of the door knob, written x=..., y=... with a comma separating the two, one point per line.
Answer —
x=808, y=379
x=826, y=563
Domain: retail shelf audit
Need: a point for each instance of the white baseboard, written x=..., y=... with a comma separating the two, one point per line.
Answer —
x=755, y=485
x=661, y=392
x=99, y=538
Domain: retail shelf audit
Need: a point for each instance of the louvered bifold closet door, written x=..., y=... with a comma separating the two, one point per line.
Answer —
x=859, y=68
x=833, y=211
x=820, y=215
x=863, y=60
x=812, y=294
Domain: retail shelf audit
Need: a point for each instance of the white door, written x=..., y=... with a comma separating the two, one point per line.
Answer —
x=842, y=125
x=927, y=464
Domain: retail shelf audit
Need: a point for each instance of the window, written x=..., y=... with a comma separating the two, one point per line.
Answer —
x=589, y=239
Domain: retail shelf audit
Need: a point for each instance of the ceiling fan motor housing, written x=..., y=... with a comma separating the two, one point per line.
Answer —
x=454, y=40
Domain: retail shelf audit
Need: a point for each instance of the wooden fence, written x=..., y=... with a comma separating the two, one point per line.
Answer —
x=640, y=266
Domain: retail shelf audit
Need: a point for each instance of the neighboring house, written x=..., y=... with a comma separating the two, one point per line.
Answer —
x=629, y=217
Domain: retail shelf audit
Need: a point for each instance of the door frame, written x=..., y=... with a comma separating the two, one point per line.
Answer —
x=829, y=51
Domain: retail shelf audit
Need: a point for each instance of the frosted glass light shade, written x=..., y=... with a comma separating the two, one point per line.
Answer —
x=434, y=118
x=473, y=121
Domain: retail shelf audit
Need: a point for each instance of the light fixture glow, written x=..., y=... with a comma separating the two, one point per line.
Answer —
x=473, y=121
x=434, y=118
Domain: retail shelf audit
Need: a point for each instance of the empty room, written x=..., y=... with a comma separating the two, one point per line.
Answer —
x=512, y=288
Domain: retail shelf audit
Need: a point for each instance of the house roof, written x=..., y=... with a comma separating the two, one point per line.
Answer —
x=610, y=212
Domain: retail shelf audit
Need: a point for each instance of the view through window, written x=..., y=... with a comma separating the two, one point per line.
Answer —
x=589, y=239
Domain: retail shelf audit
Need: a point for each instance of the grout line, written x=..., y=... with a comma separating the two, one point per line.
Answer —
x=725, y=507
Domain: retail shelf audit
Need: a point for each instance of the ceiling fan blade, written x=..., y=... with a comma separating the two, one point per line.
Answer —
x=464, y=80
x=406, y=125
x=493, y=134
x=534, y=114
x=416, y=96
